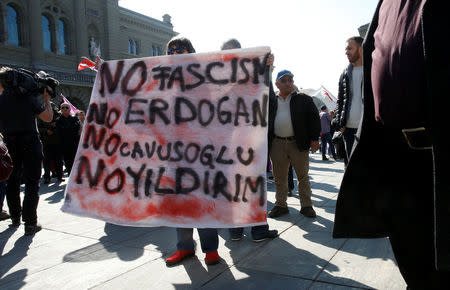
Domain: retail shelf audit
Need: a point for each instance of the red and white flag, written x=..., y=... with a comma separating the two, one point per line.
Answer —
x=326, y=97
x=86, y=63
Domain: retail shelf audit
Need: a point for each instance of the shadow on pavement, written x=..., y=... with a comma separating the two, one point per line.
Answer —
x=124, y=242
x=297, y=268
x=57, y=188
x=326, y=169
x=199, y=275
x=13, y=257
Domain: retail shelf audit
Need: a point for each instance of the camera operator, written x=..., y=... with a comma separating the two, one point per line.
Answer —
x=18, y=124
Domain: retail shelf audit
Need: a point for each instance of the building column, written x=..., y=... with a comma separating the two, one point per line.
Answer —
x=3, y=35
x=35, y=29
x=111, y=24
x=81, y=38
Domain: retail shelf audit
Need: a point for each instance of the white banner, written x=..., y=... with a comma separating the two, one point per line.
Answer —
x=175, y=141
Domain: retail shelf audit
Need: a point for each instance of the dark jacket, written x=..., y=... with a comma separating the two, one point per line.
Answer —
x=344, y=98
x=304, y=116
x=363, y=193
x=68, y=129
x=43, y=127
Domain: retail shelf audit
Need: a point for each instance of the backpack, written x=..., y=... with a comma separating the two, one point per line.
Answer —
x=6, y=164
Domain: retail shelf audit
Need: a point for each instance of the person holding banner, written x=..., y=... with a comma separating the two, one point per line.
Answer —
x=259, y=233
x=294, y=128
x=209, y=239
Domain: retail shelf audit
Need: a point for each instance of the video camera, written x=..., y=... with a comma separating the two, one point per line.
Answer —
x=25, y=82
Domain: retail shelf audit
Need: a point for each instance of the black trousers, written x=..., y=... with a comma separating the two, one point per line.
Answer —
x=411, y=213
x=349, y=140
x=68, y=152
x=52, y=154
x=26, y=153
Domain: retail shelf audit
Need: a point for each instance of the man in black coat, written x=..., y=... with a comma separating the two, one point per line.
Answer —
x=18, y=114
x=349, y=104
x=51, y=147
x=396, y=183
x=294, y=128
x=68, y=128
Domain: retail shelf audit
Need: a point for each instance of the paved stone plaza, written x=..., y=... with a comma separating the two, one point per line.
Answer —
x=81, y=253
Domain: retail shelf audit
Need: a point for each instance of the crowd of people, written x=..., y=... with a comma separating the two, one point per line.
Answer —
x=386, y=97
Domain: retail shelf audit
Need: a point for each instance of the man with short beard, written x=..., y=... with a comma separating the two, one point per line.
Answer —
x=349, y=104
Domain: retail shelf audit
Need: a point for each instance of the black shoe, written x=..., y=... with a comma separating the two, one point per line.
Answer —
x=4, y=215
x=290, y=192
x=31, y=230
x=270, y=234
x=15, y=222
x=46, y=180
x=60, y=179
x=324, y=159
x=236, y=237
x=278, y=211
x=308, y=211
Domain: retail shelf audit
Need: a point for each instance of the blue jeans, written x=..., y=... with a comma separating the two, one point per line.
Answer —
x=2, y=193
x=209, y=239
x=326, y=139
x=257, y=231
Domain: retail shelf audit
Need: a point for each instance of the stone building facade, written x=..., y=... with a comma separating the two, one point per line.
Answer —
x=53, y=35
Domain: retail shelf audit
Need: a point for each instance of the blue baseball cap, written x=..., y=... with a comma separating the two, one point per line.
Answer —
x=283, y=73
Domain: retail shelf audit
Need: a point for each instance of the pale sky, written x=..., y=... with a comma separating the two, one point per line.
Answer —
x=307, y=37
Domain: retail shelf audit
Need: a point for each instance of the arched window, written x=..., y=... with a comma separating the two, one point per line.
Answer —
x=62, y=37
x=130, y=46
x=46, y=33
x=12, y=25
x=133, y=47
x=136, y=51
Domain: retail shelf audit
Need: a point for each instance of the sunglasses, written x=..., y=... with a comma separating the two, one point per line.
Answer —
x=178, y=50
x=286, y=80
x=65, y=108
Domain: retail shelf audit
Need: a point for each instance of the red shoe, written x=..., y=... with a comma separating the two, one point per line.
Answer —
x=212, y=258
x=179, y=256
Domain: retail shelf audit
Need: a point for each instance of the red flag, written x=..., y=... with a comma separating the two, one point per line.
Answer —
x=86, y=63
